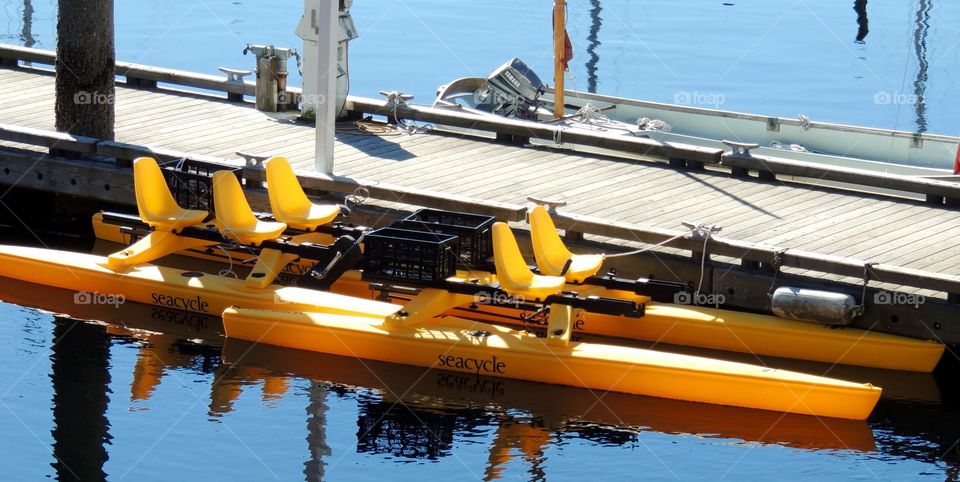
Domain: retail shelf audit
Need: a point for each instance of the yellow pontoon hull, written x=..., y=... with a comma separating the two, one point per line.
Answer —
x=472, y=347
x=694, y=326
x=167, y=287
x=350, y=326
x=729, y=330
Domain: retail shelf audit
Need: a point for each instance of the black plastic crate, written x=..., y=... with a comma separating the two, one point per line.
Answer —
x=473, y=230
x=191, y=182
x=402, y=254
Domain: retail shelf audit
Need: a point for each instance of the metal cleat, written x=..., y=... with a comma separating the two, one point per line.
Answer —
x=254, y=160
x=741, y=149
x=701, y=230
x=395, y=97
x=235, y=76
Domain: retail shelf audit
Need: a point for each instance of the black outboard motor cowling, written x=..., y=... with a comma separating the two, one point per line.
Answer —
x=515, y=89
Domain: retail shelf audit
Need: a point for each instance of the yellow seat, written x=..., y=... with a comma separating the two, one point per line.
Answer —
x=235, y=219
x=512, y=271
x=154, y=201
x=552, y=255
x=288, y=201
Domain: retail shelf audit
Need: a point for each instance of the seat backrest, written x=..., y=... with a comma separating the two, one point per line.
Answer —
x=233, y=211
x=548, y=248
x=283, y=187
x=512, y=270
x=154, y=200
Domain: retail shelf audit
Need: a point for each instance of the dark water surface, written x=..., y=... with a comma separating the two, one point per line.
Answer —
x=145, y=393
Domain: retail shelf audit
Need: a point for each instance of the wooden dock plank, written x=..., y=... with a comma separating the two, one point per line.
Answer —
x=431, y=168
x=778, y=213
x=715, y=201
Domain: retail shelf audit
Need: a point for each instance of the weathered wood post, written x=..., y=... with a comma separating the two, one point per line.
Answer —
x=85, y=68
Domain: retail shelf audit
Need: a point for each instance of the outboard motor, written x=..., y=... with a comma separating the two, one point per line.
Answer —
x=514, y=90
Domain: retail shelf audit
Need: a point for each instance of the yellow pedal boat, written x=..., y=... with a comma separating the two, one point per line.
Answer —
x=460, y=345
x=695, y=326
x=417, y=333
x=350, y=326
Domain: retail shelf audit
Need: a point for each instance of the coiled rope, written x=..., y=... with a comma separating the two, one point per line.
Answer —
x=647, y=124
x=788, y=147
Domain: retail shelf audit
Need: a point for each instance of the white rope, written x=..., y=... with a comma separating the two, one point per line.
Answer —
x=648, y=124
x=357, y=198
x=558, y=135
x=648, y=248
x=788, y=147
x=591, y=115
x=703, y=260
x=229, y=270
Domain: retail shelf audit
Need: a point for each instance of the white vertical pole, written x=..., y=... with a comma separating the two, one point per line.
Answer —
x=328, y=30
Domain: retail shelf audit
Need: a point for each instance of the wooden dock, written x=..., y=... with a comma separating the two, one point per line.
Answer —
x=911, y=241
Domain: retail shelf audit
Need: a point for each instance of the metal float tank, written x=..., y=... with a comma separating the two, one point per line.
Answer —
x=815, y=306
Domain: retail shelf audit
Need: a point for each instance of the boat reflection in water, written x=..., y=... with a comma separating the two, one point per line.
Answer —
x=410, y=412
x=558, y=409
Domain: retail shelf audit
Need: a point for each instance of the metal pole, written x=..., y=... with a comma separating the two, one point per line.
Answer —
x=327, y=28
x=559, y=54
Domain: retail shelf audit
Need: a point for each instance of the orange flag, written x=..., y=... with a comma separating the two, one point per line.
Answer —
x=567, y=48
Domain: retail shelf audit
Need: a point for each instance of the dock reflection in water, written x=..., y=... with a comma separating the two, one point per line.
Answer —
x=81, y=377
x=408, y=413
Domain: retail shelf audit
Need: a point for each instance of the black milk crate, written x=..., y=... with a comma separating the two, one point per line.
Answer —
x=402, y=254
x=474, y=231
x=191, y=182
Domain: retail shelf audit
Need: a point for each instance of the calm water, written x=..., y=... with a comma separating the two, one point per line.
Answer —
x=159, y=394
x=84, y=400
x=782, y=57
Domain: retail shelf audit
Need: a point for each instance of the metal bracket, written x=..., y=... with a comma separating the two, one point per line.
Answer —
x=271, y=51
x=741, y=149
x=916, y=140
x=773, y=124
x=254, y=160
x=551, y=204
x=235, y=76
